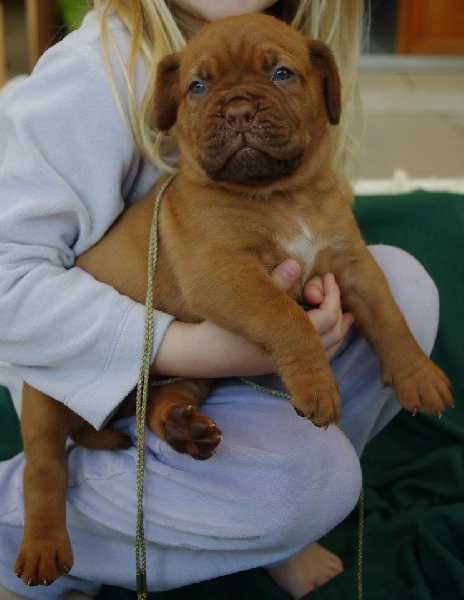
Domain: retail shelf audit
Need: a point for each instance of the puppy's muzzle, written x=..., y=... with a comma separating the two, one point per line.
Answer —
x=251, y=142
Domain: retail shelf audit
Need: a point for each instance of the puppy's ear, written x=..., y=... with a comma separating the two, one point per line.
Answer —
x=167, y=92
x=323, y=60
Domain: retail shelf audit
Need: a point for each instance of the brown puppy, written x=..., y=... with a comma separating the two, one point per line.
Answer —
x=252, y=101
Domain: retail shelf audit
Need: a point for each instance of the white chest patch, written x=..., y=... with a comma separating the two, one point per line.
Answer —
x=302, y=246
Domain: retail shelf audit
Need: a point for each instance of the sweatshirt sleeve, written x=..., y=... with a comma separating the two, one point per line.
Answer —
x=67, y=169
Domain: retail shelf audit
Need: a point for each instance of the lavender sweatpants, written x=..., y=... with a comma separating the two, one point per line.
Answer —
x=276, y=484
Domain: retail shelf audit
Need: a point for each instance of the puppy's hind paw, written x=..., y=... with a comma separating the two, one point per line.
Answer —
x=191, y=432
x=41, y=562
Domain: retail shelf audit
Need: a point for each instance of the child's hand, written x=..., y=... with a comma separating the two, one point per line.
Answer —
x=328, y=319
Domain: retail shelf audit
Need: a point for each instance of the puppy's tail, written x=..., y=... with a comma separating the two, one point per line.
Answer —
x=104, y=439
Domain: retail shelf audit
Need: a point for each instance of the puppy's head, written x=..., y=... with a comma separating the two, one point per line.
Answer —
x=251, y=98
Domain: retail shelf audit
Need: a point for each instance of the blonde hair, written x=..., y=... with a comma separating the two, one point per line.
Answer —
x=157, y=29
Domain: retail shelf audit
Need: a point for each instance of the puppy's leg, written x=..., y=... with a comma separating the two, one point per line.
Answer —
x=45, y=552
x=237, y=293
x=172, y=414
x=418, y=383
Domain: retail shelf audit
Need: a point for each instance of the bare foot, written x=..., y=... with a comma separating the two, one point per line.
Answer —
x=307, y=570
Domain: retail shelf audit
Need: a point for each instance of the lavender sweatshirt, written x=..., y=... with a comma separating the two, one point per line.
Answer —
x=68, y=168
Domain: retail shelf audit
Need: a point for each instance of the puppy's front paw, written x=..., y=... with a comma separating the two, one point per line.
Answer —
x=41, y=562
x=319, y=400
x=421, y=386
x=190, y=432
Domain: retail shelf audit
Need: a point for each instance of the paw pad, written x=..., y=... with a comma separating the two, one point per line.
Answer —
x=190, y=432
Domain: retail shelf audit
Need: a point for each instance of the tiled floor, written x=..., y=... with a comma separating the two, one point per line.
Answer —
x=414, y=110
x=414, y=118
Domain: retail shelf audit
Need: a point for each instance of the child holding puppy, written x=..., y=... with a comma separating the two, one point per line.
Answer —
x=277, y=483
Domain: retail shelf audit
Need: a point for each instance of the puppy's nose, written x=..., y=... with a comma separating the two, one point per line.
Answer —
x=240, y=114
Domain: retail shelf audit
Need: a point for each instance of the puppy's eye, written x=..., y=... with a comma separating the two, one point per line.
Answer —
x=197, y=87
x=281, y=74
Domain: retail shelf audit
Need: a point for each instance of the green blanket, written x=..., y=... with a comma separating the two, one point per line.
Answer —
x=413, y=470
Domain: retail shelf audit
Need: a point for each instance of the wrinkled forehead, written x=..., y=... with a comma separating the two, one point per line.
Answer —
x=239, y=44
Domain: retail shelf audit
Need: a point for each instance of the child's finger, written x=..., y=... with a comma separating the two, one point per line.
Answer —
x=313, y=291
x=286, y=274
